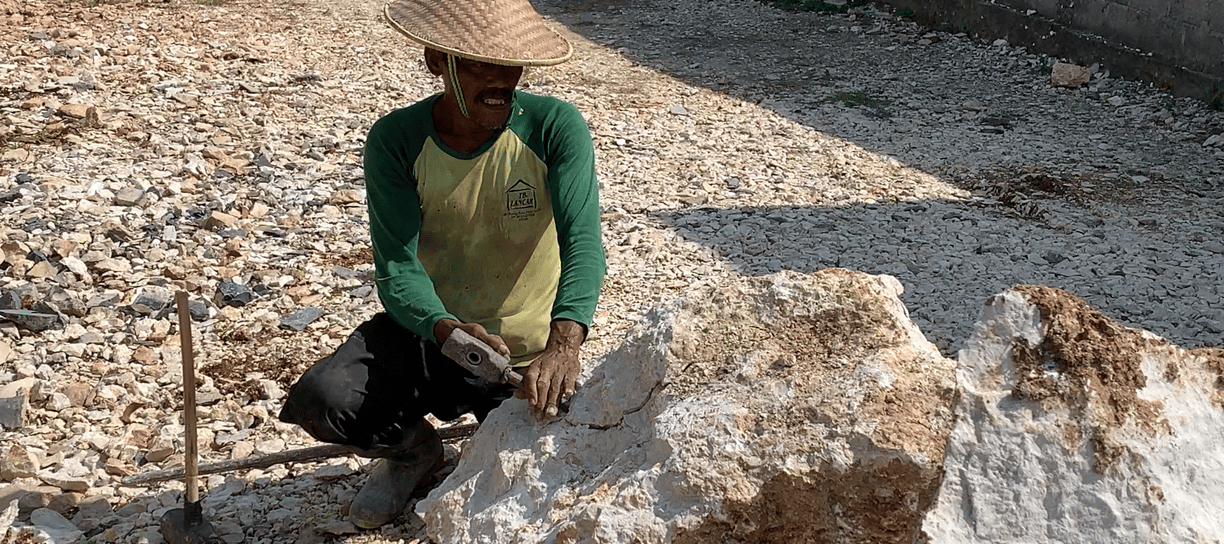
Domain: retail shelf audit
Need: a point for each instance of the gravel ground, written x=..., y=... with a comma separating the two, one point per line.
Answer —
x=215, y=147
x=806, y=141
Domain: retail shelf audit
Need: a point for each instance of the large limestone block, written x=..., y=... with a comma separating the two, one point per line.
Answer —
x=788, y=408
x=1073, y=428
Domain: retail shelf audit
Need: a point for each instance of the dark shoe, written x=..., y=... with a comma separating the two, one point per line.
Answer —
x=386, y=492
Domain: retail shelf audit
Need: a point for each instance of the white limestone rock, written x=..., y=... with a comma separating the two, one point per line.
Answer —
x=7, y=516
x=784, y=408
x=53, y=528
x=1072, y=428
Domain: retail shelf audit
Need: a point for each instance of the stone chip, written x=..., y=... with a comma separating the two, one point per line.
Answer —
x=1065, y=74
x=219, y=220
x=17, y=462
x=33, y=321
x=80, y=111
x=301, y=318
x=233, y=294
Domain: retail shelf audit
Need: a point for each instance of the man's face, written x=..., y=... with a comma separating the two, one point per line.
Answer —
x=487, y=88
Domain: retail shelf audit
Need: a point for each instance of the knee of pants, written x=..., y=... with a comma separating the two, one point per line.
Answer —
x=324, y=403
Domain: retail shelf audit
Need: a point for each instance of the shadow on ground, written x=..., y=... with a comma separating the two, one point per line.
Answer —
x=878, y=88
x=950, y=256
x=874, y=81
x=857, y=80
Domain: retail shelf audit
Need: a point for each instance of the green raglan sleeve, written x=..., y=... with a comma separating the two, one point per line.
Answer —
x=575, y=200
x=406, y=291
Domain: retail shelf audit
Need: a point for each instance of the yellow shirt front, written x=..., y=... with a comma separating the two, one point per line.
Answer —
x=488, y=239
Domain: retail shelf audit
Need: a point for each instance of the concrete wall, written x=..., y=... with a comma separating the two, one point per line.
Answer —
x=1175, y=44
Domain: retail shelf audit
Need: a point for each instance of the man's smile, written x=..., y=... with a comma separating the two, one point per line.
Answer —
x=495, y=98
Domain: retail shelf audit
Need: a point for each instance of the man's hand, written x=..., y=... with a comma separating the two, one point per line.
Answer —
x=552, y=376
x=443, y=328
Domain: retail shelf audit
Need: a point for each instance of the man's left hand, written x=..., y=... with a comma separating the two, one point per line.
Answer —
x=552, y=376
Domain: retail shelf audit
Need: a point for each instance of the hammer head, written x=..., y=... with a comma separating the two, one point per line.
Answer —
x=479, y=359
x=187, y=526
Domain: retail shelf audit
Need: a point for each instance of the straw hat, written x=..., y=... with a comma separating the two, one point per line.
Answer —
x=506, y=32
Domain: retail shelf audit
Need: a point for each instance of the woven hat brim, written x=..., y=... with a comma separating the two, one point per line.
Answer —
x=527, y=40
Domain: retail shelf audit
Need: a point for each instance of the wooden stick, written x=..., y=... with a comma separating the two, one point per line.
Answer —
x=264, y=461
x=191, y=457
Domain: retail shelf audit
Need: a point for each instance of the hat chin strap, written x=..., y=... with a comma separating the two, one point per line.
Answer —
x=454, y=78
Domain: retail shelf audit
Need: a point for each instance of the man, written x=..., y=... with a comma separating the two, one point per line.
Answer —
x=484, y=216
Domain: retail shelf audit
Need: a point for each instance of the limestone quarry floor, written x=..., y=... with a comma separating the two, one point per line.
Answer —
x=732, y=138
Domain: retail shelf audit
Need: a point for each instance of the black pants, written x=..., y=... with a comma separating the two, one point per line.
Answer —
x=382, y=380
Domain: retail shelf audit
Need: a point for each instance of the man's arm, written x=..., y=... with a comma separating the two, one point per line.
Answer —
x=406, y=291
x=575, y=199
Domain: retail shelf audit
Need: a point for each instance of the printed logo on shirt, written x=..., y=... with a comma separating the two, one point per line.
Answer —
x=521, y=202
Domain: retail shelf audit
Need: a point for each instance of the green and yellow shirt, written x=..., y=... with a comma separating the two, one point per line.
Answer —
x=507, y=236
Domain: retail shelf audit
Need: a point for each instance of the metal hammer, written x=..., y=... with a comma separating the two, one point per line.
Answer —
x=485, y=362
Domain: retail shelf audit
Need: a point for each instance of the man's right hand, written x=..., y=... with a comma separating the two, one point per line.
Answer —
x=443, y=328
